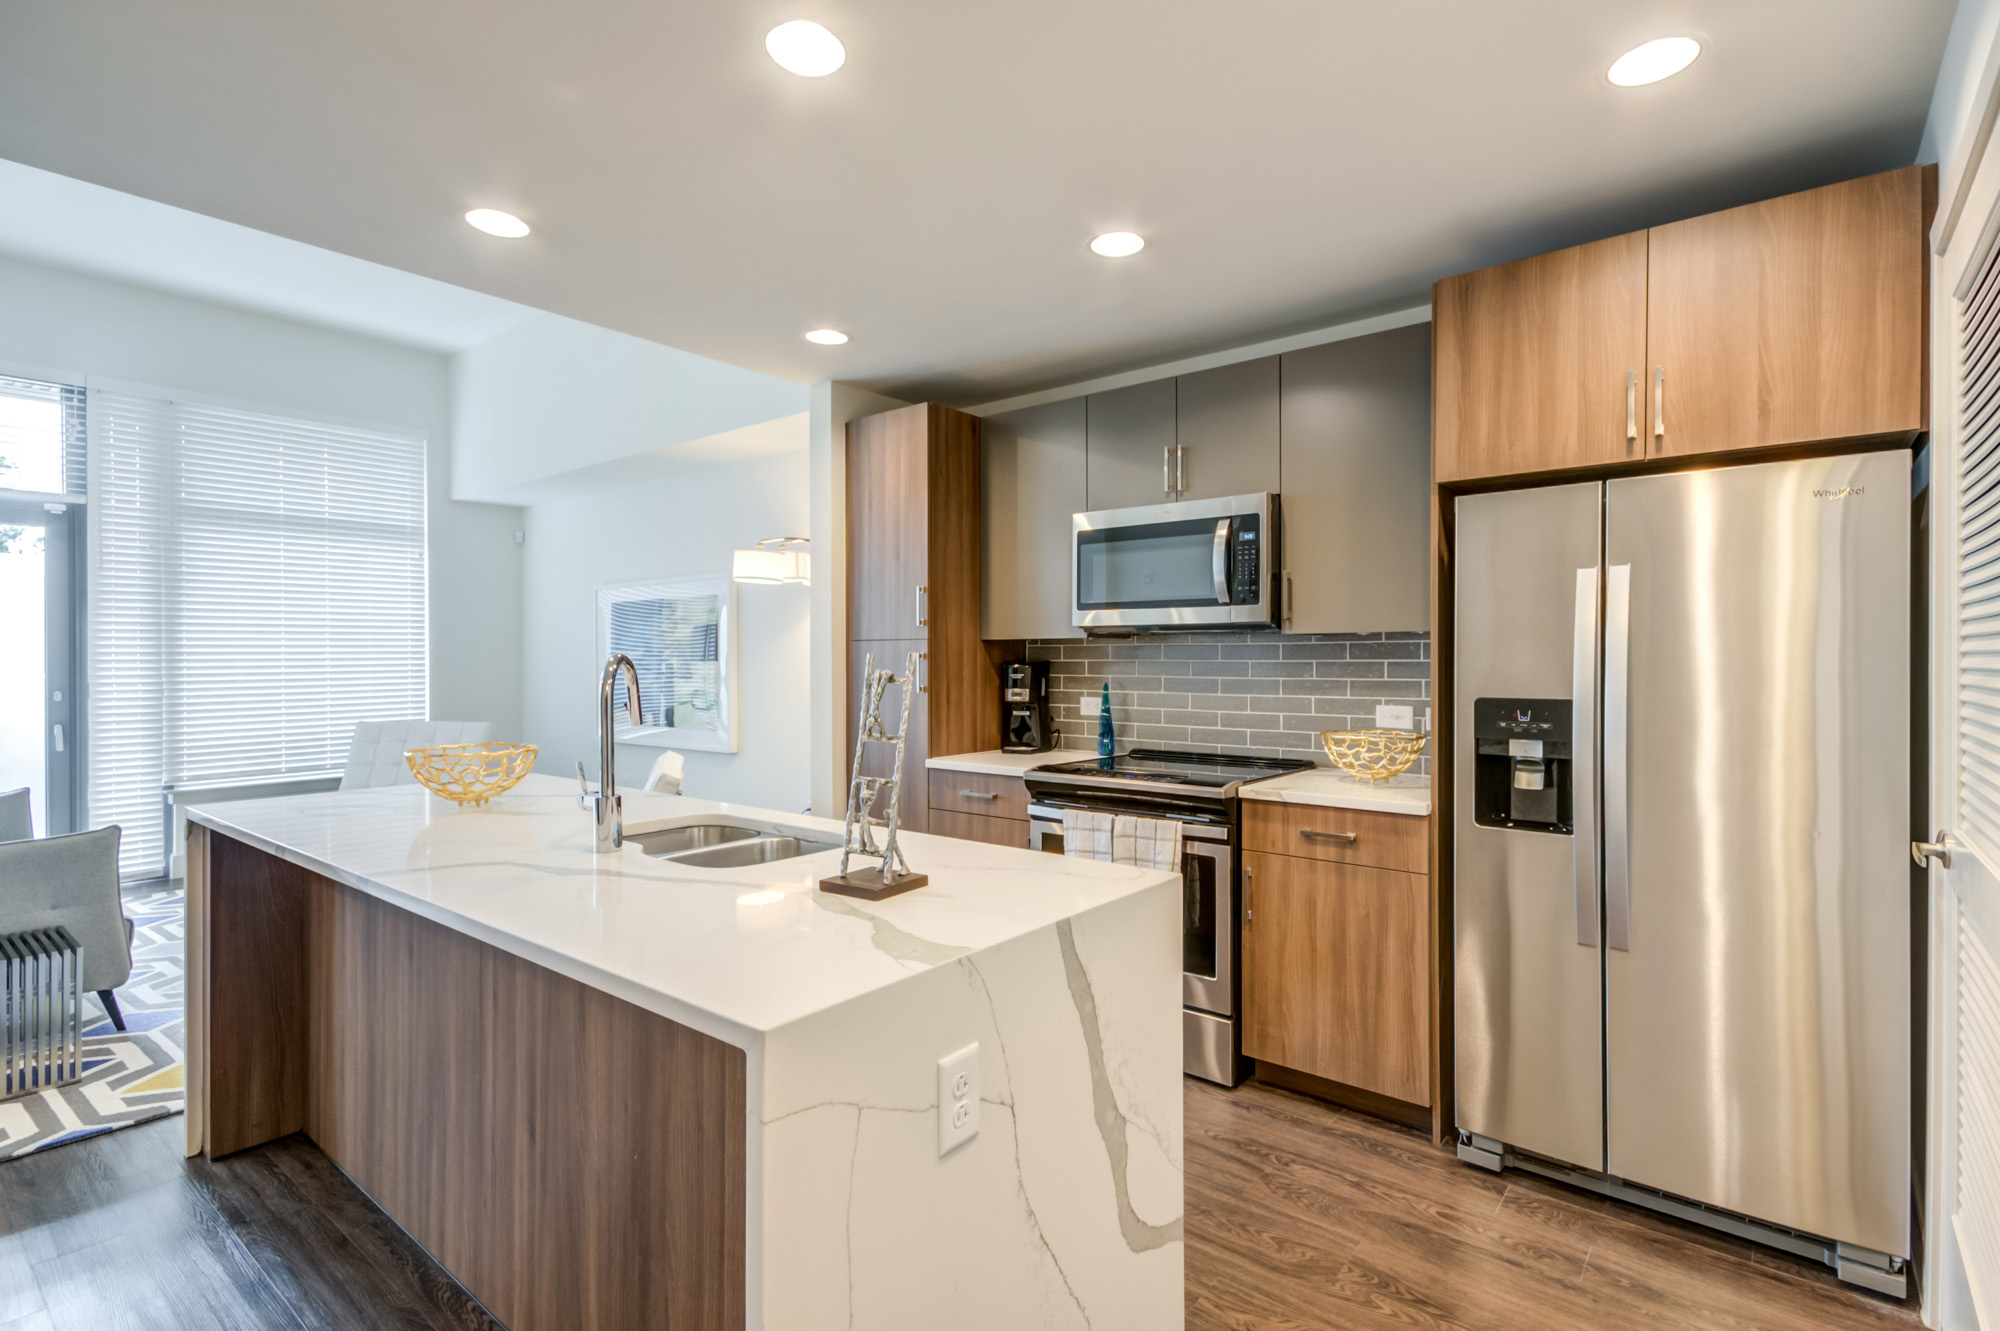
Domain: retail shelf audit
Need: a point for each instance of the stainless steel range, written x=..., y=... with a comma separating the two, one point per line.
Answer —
x=1198, y=791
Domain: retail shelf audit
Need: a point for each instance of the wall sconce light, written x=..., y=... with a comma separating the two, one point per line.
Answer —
x=779, y=559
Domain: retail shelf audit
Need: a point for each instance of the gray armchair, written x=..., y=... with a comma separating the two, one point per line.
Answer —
x=72, y=881
x=17, y=815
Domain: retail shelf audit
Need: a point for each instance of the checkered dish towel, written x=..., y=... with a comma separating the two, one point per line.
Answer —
x=1150, y=843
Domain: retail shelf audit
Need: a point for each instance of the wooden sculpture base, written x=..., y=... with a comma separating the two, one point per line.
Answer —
x=869, y=885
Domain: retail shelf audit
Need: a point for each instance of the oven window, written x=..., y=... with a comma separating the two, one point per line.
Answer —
x=1157, y=566
x=1199, y=901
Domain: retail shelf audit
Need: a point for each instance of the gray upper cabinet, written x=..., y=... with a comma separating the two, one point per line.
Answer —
x=1131, y=443
x=1227, y=431
x=1032, y=481
x=1356, y=489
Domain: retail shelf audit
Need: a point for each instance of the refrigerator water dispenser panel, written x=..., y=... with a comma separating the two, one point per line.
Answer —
x=1522, y=775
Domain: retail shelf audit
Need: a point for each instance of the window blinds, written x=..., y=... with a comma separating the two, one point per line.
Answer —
x=256, y=587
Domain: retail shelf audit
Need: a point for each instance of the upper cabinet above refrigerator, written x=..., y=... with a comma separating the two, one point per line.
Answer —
x=1795, y=321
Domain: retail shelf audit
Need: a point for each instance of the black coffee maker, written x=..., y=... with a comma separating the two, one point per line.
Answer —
x=1024, y=708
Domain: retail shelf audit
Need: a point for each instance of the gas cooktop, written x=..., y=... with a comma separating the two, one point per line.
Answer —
x=1164, y=767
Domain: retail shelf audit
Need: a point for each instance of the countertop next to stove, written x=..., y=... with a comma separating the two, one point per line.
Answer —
x=1336, y=790
x=993, y=762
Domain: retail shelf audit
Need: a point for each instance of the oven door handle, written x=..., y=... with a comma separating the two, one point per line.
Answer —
x=1222, y=562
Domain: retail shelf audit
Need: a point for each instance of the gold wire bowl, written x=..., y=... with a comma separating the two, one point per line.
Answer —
x=471, y=773
x=1373, y=755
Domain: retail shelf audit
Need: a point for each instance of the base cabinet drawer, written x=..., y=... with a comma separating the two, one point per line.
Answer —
x=1348, y=836
x=972, y=827
x=1336, y=972
x=978, y=793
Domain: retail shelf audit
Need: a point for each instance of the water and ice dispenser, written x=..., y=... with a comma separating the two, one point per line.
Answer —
x=1522, y=776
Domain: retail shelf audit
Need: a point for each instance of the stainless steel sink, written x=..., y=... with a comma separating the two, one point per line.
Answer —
x=763, y=850
x=694, y=836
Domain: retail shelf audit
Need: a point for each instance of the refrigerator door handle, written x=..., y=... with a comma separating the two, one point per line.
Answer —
x=1583, y=791
x=1617, y=761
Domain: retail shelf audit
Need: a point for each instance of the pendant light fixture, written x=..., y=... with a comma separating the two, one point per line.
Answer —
x=777, y=560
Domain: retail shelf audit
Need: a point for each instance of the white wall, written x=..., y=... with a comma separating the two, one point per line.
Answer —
x=661, y=519
x=1973, y=32
x=71, y=326
x=554, y=395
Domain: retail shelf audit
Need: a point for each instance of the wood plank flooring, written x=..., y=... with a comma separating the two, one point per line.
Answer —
x=121, y=1231
x=1301, y=1215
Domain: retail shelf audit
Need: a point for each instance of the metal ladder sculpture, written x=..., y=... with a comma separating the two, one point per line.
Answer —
x=893, y=874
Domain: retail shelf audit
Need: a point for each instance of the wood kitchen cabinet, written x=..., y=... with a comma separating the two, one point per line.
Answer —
x=1539, y=362
x=1356, y=423
x=1226, y=429
x=1336, y=973
x=1129, y=445
x=913, y=545
x=1032, y=484
x=1795, y=320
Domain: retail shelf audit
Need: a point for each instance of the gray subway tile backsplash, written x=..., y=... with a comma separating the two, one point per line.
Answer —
x=1264, y=693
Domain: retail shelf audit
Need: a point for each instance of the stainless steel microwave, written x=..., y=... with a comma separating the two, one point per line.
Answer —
x=1205, y=563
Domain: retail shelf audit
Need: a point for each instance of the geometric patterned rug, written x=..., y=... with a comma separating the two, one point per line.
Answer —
x=129, y=1076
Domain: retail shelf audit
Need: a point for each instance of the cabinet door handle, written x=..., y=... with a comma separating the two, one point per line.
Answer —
x=1660, y=404
x=1167, y=469
x=1288, y=600
x=923, y=672
x=979, y=794
x=1180, y=470
x=1345, y=838
x=1249, y=894
x=923, y=610
x=1631, y=406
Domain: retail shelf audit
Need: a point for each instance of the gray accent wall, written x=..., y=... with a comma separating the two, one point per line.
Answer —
x=1262, y=693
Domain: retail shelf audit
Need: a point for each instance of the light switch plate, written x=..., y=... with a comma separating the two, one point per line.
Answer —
x=1388, y=716
x=958, y=1099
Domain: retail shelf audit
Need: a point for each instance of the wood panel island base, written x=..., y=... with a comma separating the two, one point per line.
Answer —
x=611, y=1091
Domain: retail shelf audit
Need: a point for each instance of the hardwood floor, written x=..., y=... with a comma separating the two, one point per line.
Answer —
x=1302, y=1215
x=121, y=1231
x=1299, y=1216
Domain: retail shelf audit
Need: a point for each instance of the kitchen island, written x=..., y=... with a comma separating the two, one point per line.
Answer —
x=618, y=1090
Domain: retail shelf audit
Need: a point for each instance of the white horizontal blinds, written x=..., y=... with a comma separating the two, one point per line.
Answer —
x=290, y=568
x=130, y=442
x=673, y=643
x=1979, y=560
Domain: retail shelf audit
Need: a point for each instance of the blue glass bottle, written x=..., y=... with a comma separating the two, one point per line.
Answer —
x=1107, y=744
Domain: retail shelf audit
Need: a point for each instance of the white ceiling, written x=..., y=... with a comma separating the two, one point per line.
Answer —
x=1292, y=162
x=58, y=220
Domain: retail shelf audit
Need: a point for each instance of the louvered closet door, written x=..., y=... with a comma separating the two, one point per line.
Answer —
x=1964, y=1209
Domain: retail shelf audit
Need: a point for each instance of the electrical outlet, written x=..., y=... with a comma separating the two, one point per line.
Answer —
x=958, y=1099
x=1391, y=717
x=1092, y=703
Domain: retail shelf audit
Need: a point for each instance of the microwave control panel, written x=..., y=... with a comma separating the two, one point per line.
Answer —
x=1245, y=563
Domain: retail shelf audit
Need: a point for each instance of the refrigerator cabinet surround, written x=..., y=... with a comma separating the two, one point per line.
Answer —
x=1735, y=1031
x=1527, y=997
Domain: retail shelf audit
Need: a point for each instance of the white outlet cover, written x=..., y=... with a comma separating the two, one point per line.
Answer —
x=1092, y=703
x=1391, y=717
x=958, y=1099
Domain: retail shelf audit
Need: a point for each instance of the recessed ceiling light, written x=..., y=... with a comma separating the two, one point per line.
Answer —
x=826, y=337
x=1118, y=244
x=496, y=223
x=1656, y=60
x=804, y=47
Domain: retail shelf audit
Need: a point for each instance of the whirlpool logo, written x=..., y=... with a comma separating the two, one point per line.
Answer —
x=1844, y=492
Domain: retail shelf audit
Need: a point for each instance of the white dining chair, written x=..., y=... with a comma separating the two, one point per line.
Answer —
x=375, y=754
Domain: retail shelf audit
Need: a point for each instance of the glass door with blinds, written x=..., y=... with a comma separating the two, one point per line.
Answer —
x=41, y=513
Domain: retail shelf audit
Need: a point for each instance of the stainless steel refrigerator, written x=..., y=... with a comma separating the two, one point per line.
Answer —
x=1681, y=803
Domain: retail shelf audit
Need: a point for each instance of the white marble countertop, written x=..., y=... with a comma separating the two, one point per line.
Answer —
x=1334, y=789
x=995, y=763
x=732, y=952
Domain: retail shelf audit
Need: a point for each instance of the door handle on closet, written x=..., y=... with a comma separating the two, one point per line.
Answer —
x=1617, y=758
x=1583, y=787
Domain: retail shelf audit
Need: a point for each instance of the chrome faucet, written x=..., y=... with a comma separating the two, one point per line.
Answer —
x=610, y=825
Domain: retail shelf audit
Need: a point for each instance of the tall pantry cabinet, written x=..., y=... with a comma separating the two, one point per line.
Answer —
x=913, y=578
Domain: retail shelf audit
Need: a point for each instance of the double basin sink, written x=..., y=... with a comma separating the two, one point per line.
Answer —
x=725, y=845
